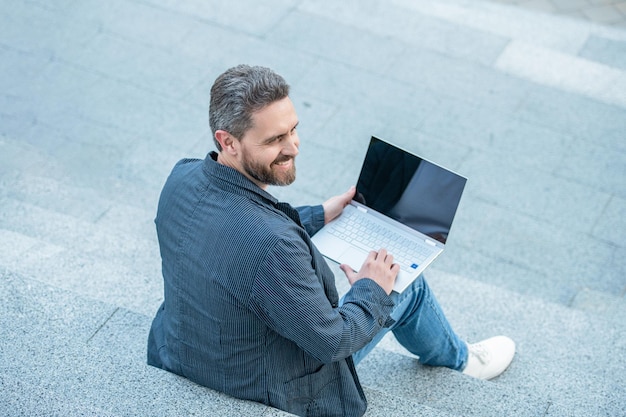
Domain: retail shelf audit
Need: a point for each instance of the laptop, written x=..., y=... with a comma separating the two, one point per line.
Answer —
x=403, y=203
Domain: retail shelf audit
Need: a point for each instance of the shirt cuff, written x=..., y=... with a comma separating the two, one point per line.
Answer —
x=312, y=218
x=378, y=301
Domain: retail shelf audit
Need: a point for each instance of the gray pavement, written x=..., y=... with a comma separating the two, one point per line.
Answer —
x=607, y=12
x=99, y=99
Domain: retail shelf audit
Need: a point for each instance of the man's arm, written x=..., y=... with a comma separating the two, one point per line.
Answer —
x=335, y=205
x=289, y=298
x=313, y=218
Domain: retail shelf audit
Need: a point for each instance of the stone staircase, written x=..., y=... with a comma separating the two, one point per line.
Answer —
x=80, y=286
x=80, y=177
x=79, y=298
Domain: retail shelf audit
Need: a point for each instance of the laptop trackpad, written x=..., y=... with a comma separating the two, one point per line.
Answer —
x=354, y=258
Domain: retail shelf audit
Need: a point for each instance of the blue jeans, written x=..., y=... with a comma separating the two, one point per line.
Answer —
x=422, y=328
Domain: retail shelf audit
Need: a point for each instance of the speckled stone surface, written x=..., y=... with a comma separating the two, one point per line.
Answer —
x=99, y=99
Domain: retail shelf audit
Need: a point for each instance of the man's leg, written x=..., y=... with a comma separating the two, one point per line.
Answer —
x=422, y=328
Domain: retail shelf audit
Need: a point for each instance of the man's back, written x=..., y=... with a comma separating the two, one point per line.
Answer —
x=250, y=305
x=207, y=271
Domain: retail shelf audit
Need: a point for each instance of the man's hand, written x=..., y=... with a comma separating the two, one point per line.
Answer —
x=379, y=267
x=335, y=205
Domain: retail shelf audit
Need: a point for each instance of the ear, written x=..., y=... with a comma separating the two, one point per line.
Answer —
x=226, y=141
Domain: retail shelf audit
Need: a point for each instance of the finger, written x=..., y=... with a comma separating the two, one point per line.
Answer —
x=349, y=272
x=350, y=193
x=347, y=269
x=345, y=198
x=382, y=254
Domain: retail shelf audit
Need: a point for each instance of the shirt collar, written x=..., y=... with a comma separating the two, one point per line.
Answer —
x=233, y=180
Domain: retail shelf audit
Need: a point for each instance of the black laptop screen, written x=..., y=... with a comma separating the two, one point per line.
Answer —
x=409, y=189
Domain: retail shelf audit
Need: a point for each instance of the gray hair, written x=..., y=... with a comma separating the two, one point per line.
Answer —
x=238, y=93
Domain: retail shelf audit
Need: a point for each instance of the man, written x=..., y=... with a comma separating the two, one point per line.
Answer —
x=251, y=307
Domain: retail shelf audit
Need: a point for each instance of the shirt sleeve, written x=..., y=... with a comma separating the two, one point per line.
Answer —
x=289, y=298
x=312, y=218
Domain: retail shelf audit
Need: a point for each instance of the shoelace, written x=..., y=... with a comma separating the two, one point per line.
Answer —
x=482, y=354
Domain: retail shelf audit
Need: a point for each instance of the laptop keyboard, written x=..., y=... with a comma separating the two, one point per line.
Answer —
x=361, y=231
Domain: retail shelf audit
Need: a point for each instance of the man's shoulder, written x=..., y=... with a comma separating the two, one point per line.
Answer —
x=182, y=169
x=262, y=217
x=187, y=163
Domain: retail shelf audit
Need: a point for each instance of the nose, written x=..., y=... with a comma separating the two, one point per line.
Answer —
x=292, y=144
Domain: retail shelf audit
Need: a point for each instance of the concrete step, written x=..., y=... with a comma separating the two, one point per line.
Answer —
x=92, y=335
x=54, y=168
x=78, y=355
x=584, y=356
x=549, y=31
x=70, y=215
x=447, y=390
x=566, y=358
x=449, y=48
x=63, y=212
x=584, y=58
x=113, y=280
x=43, y=255
x=26, y=399
x=107, y=280
x=568, y=361
x=127, y=328
x=73, y=355
x=114, y=259
x=97, y=130
x=61, y=195
x=386, y=403
x=72, y=232
x=601, y=303
x=123, y=234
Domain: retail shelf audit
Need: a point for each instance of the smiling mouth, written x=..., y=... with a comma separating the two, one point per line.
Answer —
x=283, y=162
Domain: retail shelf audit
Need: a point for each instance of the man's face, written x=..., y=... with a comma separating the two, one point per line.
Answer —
x=269, y=148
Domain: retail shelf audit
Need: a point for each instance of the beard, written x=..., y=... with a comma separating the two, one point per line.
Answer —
x=266, y=175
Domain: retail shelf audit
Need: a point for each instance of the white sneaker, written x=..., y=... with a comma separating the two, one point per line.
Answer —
x=489, y=358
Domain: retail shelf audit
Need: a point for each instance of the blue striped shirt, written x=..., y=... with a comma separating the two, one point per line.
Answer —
x=250, y=306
